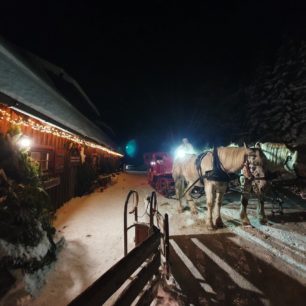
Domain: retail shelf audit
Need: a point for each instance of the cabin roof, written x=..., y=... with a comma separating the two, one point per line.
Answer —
x=48, y=90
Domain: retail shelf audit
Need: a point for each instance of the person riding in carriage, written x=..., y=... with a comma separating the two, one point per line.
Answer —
x=184, y=150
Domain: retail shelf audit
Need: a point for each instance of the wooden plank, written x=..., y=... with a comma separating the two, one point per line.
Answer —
x=109, y=282
x=134, y=288
x=147, y=296
x=52, y=182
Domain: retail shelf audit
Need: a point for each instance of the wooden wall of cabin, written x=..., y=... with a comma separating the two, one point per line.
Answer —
x=65, y=161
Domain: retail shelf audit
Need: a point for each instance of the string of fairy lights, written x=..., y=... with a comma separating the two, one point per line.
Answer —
x=44, y=128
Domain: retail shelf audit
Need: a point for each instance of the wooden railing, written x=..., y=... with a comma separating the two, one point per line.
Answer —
x=114, y=278
x=151, y=244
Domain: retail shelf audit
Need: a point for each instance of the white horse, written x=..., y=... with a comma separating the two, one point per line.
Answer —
x=230, y=160
x=280, y=159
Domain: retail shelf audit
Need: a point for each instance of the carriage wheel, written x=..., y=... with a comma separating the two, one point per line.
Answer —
x=151, y=180
x=162, y=186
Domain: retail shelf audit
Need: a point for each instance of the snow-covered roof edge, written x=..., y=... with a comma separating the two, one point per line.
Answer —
x=20, y=82
x=60, y=71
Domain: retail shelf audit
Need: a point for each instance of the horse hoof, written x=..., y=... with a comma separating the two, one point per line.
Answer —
x=246, y=223
x=219, y=223
x=210, y=226
x=263, y=221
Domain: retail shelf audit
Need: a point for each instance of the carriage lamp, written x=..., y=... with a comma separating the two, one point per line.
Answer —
x=25, y=143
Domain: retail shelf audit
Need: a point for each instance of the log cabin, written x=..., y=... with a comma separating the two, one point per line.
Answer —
x=52, y=110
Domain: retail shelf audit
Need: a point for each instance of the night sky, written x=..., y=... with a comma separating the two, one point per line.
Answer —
x=158, y=71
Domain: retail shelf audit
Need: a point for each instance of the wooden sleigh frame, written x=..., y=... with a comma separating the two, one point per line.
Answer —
x=145, y=258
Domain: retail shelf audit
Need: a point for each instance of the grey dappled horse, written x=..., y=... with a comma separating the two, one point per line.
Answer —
x=279, y=159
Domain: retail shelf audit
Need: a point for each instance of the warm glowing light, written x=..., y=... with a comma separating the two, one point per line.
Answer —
x=47, y=128
x=25, y=142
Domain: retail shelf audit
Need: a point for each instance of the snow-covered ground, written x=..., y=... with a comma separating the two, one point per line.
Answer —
x=92, y=226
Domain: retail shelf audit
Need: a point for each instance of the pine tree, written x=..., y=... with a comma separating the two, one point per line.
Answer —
x=276, y=108
x=26, y=231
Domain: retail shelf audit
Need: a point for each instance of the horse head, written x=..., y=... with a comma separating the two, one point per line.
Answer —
x=255, y=167
x=290, y=163
x=279, y=154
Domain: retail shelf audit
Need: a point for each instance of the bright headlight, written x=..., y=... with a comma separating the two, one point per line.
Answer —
x=180, y=153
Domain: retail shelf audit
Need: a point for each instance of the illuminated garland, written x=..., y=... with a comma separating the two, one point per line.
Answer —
x=4, y=115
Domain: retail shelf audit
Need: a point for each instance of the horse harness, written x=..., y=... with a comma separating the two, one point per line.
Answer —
x=286, y=166
x=217, y=173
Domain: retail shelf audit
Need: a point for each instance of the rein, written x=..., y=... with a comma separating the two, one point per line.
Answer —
x=199, y=178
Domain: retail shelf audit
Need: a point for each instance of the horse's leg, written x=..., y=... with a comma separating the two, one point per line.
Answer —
x=219, y=197
x=276, y=198
x=209, y=191
x=261, y=216
x=259, y=191
x=179, y=183
x=247, y=187
x=190, y=200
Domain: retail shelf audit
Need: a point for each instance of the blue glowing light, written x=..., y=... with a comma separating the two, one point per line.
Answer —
x=131, y=148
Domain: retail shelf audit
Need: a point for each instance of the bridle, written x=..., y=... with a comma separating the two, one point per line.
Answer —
x=250, y=169
x=286, y=166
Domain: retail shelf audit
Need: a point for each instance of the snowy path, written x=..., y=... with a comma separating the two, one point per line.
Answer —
x=92, y=226
x=227, y=264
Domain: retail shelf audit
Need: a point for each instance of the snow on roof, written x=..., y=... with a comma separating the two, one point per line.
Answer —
x=27, y=79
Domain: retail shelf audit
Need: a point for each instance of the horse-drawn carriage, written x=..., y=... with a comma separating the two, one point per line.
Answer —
x=185, y=176
x=255, y=165
x=160, y=172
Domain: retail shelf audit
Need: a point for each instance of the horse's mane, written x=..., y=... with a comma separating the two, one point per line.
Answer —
x=233, y=144
x=275, y=152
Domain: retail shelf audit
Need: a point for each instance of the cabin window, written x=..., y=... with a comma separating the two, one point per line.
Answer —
x=43, y=158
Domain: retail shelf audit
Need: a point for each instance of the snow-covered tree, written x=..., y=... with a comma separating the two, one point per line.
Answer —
x=26, y=231
x=277, y=97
